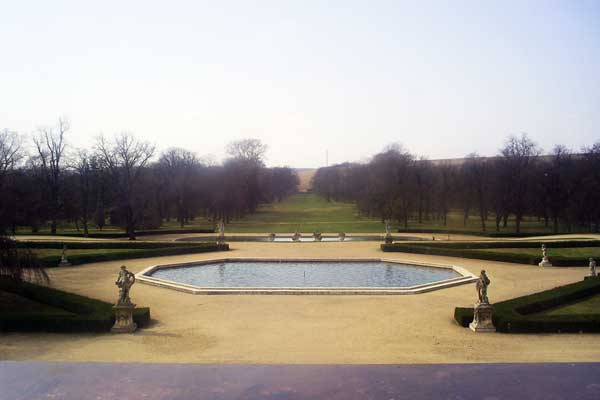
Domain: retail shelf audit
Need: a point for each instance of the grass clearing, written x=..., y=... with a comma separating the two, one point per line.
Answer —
x=577, y=252
x=306, y=212
x=591, y=305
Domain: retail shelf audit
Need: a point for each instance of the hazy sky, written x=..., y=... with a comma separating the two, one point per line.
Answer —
x=444, y=78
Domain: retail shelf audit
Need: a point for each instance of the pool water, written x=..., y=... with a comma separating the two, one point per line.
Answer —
x=299, y=274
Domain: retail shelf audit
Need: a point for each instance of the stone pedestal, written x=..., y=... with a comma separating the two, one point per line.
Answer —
x=64, y=263
x=124, y=319
x=545, y=262
x=482, y=318
x=389, y=239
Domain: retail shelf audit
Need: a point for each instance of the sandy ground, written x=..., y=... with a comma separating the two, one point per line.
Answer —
x=306, y=329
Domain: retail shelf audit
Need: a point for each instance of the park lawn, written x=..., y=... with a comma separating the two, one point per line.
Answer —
x=49, y=253
x=44, y=253
x=69, y=228
x=573, y=252
x=12, y=303
x=309, y=212
x=591, y=305
x=306, y=212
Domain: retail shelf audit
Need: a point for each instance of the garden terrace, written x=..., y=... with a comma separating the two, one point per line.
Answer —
x=561, y=253
x=534, y=313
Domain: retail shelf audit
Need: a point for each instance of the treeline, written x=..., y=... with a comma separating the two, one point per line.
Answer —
x=561, y=189
x=124, y=182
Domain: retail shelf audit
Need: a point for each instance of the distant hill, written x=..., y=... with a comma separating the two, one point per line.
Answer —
x=305, y=175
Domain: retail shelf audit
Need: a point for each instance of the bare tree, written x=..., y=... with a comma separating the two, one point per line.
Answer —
x=85, y=167
x=518, y=161
x=50, y=146
x=475, y=172
x=10, y=153
x=247, y=150
x=178, y=168
x=125, y=158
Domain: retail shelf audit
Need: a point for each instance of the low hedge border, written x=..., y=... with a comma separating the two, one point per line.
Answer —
x=77, y=259
x=511, y=244
x=104, y=244
x=88, y=315
x=521, y=315
x=118, y=235
x=451, y=251
x=475, y=233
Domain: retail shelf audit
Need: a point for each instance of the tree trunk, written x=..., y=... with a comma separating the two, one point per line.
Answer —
x=131, y=231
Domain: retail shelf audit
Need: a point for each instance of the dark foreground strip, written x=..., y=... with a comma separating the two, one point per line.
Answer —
x=106, y=381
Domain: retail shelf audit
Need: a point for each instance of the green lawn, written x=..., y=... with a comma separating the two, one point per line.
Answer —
x=68, y=228
x=12, y=303
x=49, y=252
x=72, y=253
x=591, y=305
x=559, y=252
x=306, y=212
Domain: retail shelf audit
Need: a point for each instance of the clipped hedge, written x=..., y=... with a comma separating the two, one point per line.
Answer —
x=464, y=316
x=522, y=314
x=474, y=233
x=77, y=259
x=464, y=253
x=87, y=315
x=461, y=245
x=119, y=235
x=460, y=249
x=104, y=244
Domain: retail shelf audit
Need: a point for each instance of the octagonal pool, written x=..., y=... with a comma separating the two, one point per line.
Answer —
x=298, y=276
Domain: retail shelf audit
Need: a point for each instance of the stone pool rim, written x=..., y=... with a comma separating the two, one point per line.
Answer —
x=464, y=278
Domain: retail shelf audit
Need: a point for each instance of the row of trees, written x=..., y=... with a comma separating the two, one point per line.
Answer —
x=124, y=182
x=562, y=189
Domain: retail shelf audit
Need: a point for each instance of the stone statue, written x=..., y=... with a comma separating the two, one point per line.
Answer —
x=317, y=236
x=342, y=236
x=64, y=262
x=296, y=237
x=545, y=261
x=271, y=237
x=387, y=227
x=483, y=310
x=482, y=283
x=221, y=231
x=593, y=267
x=124, y=282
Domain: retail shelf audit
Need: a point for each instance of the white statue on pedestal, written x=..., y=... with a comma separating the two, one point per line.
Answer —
x=545, y=260
x=482, y=312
